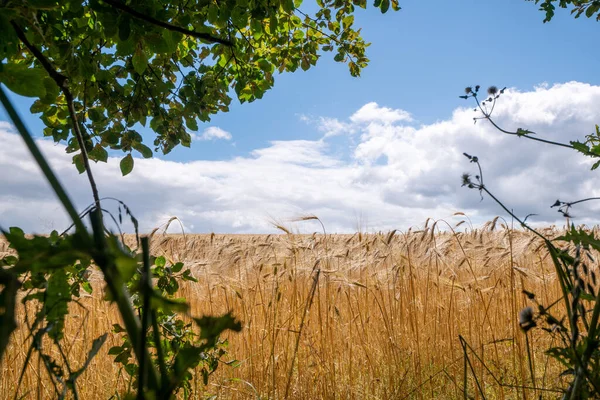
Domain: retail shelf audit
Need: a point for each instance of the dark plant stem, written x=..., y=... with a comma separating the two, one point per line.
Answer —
x=465, y=380
x=162, y=366
x=81, y=142
x=120, y=296
x=529, y=137
x=487, y=115
x=463, y=343
x=564, y=281
x=591, y=344
x=146, y=285
x=582, y=200
x=530, y=357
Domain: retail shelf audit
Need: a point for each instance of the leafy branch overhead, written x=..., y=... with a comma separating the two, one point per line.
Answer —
x=161, y=64
x=589, y=8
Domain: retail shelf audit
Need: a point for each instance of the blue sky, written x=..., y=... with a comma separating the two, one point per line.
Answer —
x=422, y=57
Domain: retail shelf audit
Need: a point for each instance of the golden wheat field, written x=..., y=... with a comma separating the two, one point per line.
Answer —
x=384, y=323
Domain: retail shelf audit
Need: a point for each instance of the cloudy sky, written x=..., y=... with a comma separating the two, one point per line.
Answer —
x=380, y=152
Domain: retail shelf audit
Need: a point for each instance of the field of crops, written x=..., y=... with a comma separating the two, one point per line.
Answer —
x=412, y=315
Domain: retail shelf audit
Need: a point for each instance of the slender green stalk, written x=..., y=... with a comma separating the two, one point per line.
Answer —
x=463, y=343
x=162, y=366
x=530, y=357
x=465, y=388
x=146, y=285
x=120, y=296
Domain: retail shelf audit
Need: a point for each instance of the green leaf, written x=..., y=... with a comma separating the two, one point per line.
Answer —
x=168, y=304
x=304, y=64
x=113, y=351
x=523, y=132
x=78, y=161
x=98, y=153
x=581, y=147
x=12, y=260
x=591, y=10
x=187, y=276
x=87, y=287
x=160, y=262
x=16, y=232
x=385, y=5
x=288, y=5
x=187, y=358
x=43, y=4
x=212, y=327
x=28, y=82
x=177, y=267
x=124, y=27
x=192, y=124
x=348, y=21
x=57, y=298
x=257, y=28
x=110, y=22
x=52, y=91
x=139, y=61
x=354, y=69
x=144, y=150
x=123, y=357
x=126, y=267
x=126, y=164
x=96, y=345
x=157, y=44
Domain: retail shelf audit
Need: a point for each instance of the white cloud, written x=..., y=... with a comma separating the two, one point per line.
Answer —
x=394, y=176
x=371, y=112
x=213, y=133
x=329, y=126
x=334, y=127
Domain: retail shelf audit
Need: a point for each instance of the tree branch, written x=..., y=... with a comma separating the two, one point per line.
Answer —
x=166, y=25
x=62, y=82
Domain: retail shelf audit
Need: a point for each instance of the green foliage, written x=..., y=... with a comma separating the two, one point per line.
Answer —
x=51, y=271
x=161, y=64
x=578, y=332
x=22, y=80
x=179, y=346
x=591, y=146
x=589, y=8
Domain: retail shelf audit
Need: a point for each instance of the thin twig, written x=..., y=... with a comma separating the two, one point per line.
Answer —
x=488, y=116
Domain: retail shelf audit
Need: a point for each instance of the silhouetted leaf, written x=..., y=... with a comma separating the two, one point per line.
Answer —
x=126, y=164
